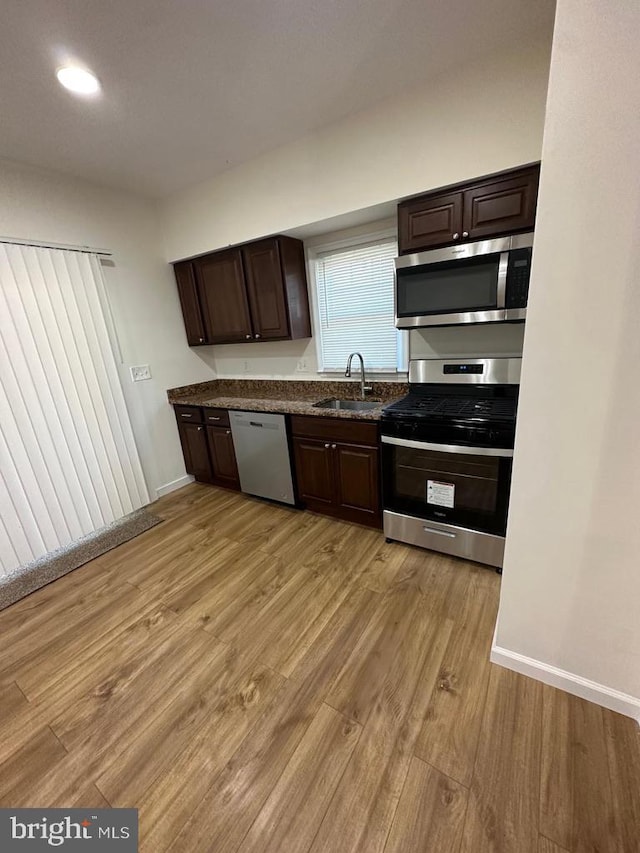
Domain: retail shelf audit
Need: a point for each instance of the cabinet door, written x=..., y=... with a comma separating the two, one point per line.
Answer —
x=189, y=303
x=223, y=457
x=314, y=473
x=223, y=297
x=503, y=206
x=357, y=483
x=265, y=287
x=193, y=438
x=429, y=221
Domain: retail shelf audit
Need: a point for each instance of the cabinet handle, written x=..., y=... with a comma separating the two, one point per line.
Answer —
x=333, y=446
x=201, y=340
x=199, y=428
x=211, y=418
x=185, y=416
x=257, y=336
x=327, y=446
x=248, y=337
x=456, y=235
x=228, y=432
x=465, y=233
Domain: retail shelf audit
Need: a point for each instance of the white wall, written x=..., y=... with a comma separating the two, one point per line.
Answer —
x=486, y=117
x=37, y=205
x=571, y=584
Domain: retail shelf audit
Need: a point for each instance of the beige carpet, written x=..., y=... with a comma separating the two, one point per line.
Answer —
x=52, y=566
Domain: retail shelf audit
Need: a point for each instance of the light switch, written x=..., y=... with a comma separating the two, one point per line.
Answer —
x=140, y=372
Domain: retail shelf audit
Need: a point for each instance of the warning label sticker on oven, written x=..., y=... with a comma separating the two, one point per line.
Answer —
x=440, y=494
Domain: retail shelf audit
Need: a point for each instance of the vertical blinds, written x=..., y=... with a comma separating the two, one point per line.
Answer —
x=68, y=460
x=355, y=288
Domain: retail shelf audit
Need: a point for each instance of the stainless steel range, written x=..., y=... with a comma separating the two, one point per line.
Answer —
x=447, y=451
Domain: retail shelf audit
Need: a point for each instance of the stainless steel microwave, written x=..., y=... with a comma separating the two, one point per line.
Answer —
x=482, y=282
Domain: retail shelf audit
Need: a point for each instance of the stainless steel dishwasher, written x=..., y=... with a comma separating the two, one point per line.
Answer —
x=262, y=452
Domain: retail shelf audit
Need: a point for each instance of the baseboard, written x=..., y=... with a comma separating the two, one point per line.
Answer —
x=173, y=485
x=614, y=700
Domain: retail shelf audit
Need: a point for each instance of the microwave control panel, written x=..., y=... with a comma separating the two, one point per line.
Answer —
x=518, y=274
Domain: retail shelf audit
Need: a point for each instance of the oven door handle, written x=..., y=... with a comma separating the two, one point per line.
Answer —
x=449, y=448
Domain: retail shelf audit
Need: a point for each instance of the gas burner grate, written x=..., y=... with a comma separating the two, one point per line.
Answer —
x=494, y=408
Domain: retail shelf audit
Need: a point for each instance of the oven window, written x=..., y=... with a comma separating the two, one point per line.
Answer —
x=457, y=488
x=448, y=288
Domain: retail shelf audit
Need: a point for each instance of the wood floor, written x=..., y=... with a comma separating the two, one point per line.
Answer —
x=254, y=679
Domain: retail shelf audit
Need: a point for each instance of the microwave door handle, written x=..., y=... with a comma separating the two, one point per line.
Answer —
x=503, y=267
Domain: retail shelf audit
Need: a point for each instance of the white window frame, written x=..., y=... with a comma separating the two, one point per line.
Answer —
x=351, y=238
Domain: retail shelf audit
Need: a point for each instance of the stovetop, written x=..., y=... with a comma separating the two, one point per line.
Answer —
x=443, y=402
x=483, y=415
x=457, y=407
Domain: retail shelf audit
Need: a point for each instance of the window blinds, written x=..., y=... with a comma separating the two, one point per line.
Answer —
x=355, y=299
x=68, y=460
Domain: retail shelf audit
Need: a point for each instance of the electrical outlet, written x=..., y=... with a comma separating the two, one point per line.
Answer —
x=245, y=366
x=140, y=372
x=302, y=366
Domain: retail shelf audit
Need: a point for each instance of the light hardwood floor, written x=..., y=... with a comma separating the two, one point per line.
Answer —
x=253, y=678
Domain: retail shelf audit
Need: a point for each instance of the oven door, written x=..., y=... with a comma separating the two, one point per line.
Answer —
x=463, y=486
x=462, y=284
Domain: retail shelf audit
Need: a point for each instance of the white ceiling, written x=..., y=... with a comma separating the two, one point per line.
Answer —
x=194, y=86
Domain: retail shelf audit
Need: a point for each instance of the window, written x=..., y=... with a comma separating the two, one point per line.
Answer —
x=354, y=297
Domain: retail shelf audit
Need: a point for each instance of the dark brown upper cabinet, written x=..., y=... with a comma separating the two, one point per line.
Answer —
x=487, y=207
x=505, y=205
x=254, y=292
x=223, y=297
x=263, y=273
x=190, y=303
x=429, y=221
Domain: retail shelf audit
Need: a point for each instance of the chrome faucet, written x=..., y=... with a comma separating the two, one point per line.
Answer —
x=363, y=388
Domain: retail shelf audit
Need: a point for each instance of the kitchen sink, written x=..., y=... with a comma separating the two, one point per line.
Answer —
x=349, y=405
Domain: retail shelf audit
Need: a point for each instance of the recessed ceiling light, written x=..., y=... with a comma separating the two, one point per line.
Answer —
x=78, y=80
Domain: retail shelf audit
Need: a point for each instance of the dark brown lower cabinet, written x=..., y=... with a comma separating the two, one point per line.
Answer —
x=208, y=450
x=357, y=481
x=193, y=438
x=224, y=469
x=336, y=461
x=337, y=468
x=315, y=474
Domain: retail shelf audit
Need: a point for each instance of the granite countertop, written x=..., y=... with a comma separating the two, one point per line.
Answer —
x=285, y=396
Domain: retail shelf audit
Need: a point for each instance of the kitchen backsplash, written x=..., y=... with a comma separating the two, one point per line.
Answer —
x=297, y=359
x=498, y=339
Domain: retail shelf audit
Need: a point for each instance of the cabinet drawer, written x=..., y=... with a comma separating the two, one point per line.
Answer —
x=216, y=417
x=335, y=429
x=189, y=414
